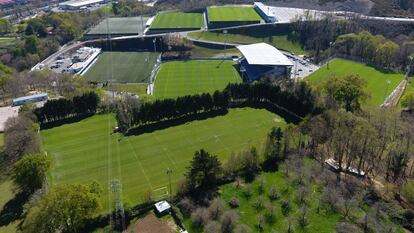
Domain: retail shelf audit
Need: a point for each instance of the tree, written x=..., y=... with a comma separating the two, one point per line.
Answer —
x=347, y=91
x=20, y=138
x=216, y=208
x=229, y=220
x=212, y=227
x=64, y=209
x=242, y=228
x=5, y=26
x=30, y=43
x=203, y=172
x=407, y=100
x=30, y=172
x=200, y=217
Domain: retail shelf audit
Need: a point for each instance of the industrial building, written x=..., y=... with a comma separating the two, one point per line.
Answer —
x=30, y=98
x=263, y=60
x=80, y=4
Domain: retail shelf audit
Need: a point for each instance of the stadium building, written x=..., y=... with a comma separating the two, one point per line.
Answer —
x=263, y=60
x=80, y=4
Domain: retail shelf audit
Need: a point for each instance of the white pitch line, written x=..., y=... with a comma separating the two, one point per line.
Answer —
x=165, y=151
x=140, y=164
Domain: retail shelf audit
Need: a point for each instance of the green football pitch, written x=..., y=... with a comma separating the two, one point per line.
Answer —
x=87, y=151
x=232, y=14
x=180, y=78
x=377, y=81
x=122, y=25
x=122, y=67
x=178, y=20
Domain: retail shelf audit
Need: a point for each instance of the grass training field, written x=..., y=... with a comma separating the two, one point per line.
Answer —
x=178, y=20
x=232, y=14
x=123, y=67
x=87, y=150
x=377, y=85
x=279, y=41
x=123, y=25
x=180, y=78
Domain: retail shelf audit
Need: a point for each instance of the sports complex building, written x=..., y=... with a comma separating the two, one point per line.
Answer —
x=262, y=60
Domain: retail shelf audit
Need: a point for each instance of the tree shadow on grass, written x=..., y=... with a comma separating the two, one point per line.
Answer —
x=70, y=120
x=13, y=210
x=149, y=128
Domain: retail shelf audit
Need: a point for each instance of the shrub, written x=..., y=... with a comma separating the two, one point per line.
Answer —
x=259, y=202
x=234, y=202
x=212, y=227
x=261, y=221
x=303, y=216
x=273, y=193
x=200, y=217
x=261, y=184
x=241, y=228
x=270, y=213
x=177, y=214
x=285, y=205
x=216, y=208
x=186, y=206
x=228, y=220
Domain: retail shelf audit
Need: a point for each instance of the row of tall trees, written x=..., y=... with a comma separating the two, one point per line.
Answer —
x=166, y=109
x=374, y=49
x=299, y=100
x=58, y=109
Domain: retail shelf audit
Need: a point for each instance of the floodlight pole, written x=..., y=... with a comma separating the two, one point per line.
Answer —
x=169, y=171
x=155, y=46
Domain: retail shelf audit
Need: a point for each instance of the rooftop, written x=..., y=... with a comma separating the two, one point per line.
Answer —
x=264, y=54
x=29, y=97
x=162, y=206
x=79, y=3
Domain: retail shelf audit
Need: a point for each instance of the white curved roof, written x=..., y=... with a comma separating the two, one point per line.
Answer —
x=264, y=54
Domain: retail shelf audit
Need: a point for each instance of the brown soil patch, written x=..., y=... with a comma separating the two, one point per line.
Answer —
x=151, y=224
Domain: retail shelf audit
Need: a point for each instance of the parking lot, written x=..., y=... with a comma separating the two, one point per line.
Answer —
x=302, y=67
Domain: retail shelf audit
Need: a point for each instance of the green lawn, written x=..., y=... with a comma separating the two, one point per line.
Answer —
x=377, y=85
x=278, y=40
x=203, y=52
x=180, y=78
x=138, y=89
x=178, y=20
x=321, y=223
x=121, y=25
x=232, y=14
x=1, y=140
x=6, y=194
x=86, y=151
x=122, y=67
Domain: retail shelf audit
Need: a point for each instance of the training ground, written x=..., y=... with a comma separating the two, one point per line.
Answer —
x=122, y=67
x=123, y=26
x=177, y=20
x=178, y=78
x=227, y=16
x=377, y=86
x=88, y=151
